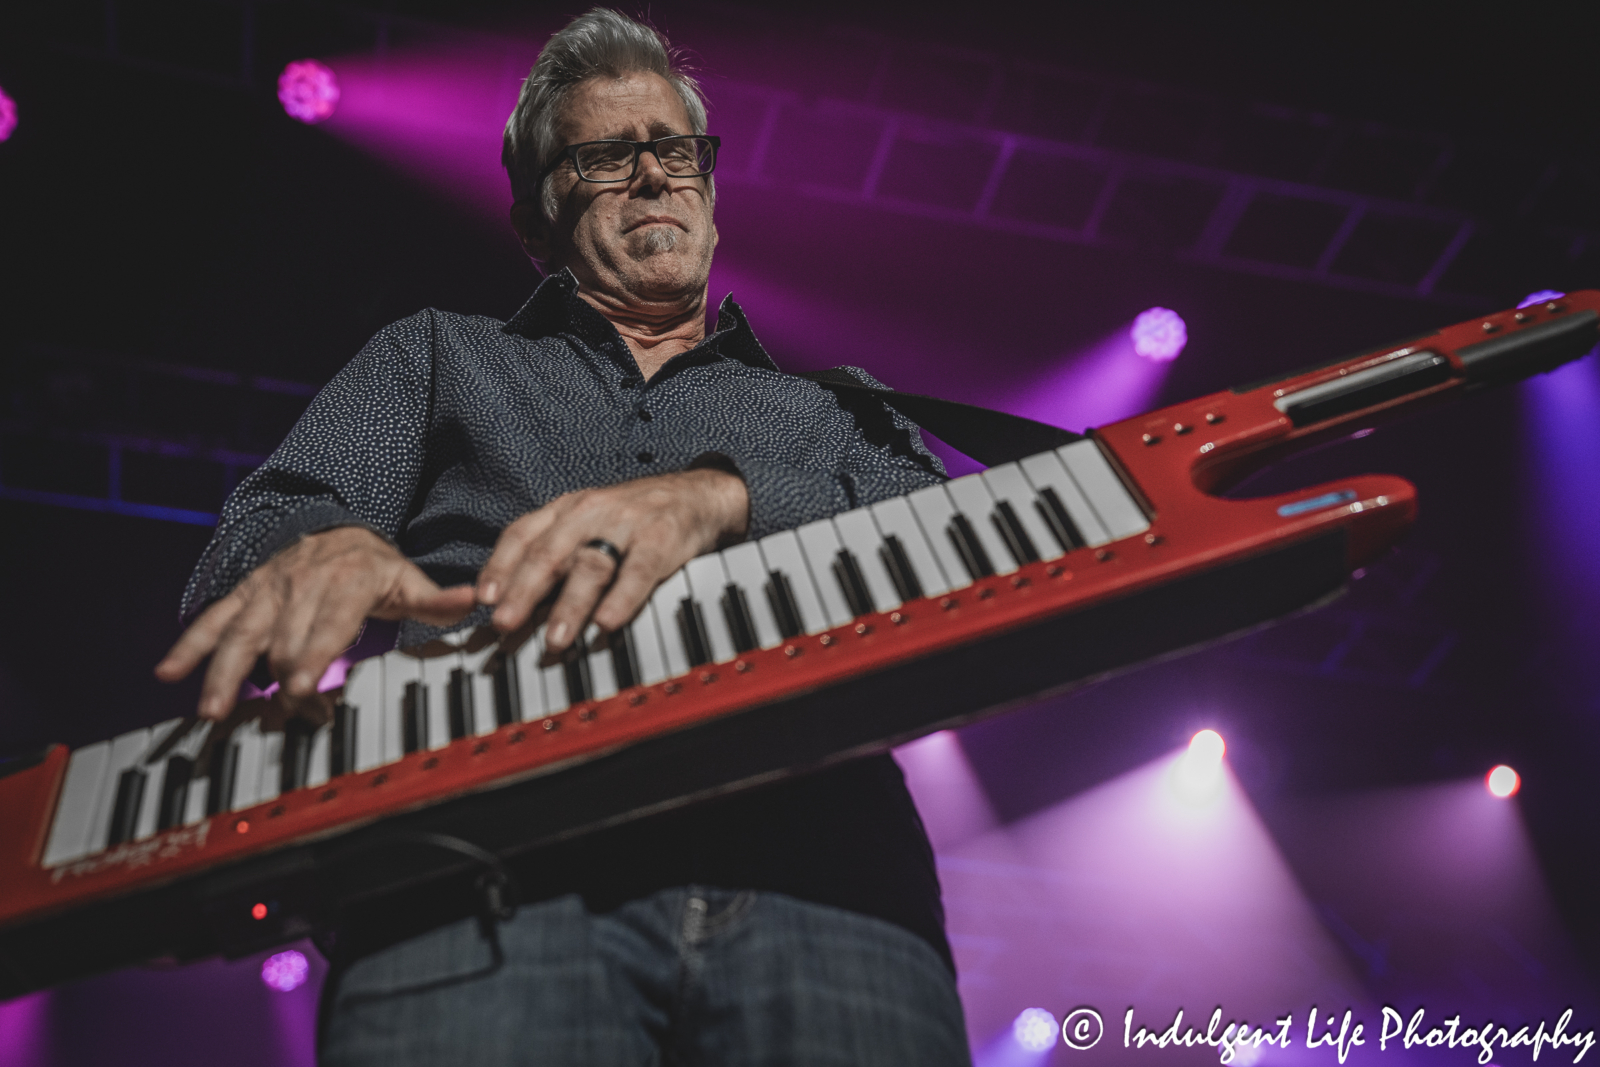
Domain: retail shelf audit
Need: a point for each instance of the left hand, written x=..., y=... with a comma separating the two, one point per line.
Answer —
x=658, y=524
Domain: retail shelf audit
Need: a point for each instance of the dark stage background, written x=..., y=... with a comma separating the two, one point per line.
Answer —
x=184, y=264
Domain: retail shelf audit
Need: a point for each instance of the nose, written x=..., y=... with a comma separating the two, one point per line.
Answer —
x=650, y=173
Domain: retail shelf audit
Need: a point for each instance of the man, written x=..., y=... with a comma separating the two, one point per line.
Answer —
x=586, y=450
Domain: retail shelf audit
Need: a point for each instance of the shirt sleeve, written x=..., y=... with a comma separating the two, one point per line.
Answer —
x=354, y=459
x=885, y=458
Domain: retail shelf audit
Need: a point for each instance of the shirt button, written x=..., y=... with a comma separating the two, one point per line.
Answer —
x=631, y=381
x=646, y=457
x=643, y=413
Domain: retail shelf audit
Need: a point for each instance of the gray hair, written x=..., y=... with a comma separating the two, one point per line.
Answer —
x=598, y=42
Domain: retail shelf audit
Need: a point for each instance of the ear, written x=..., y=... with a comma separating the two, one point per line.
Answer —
x=532, y=228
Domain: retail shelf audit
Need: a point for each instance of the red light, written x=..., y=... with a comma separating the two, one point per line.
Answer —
x=242, y=826
x=259, y=911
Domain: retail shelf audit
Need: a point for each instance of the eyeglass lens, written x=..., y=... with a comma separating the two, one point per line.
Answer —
x=682, y=157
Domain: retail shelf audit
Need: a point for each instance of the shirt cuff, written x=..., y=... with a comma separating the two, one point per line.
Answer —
x=783, y=497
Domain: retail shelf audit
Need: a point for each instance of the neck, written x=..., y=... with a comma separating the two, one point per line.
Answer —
x=653, y=332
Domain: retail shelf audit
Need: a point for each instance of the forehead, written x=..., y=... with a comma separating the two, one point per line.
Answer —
x=636, y=107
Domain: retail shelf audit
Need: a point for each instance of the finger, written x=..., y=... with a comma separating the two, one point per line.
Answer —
x=509, y=549
x=291, y=629
x=245, y=639
x=324, y=635
x=414, y=595
x=542, y=565
x=200, y=638
x=591, y=573
x=634, y=583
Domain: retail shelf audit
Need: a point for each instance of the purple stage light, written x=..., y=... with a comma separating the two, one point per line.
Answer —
x=1035, y=1030
x=1540, y=297
x=1503, y=782
x=285, y=971
x=1159, y=334
x=8, y=115
x=308, y=91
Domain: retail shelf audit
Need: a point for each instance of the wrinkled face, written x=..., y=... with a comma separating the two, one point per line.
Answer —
x=647, y=240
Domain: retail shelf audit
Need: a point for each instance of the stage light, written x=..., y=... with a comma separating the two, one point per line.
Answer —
x=1035, y=1030
x=1503, y=782
x=1198, y=772
x=1159, y=334
x=285, y=971
x=1540, y=297
x=308, y=91
x=8, y=115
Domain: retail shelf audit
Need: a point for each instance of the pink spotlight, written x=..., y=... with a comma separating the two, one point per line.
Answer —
x=308, y=91
x=1159, y=334
x=1198, y=774
x=1503, y=782
x=8, y=115
x=285, y=971
x=1540, y=297
x=1034, y=1030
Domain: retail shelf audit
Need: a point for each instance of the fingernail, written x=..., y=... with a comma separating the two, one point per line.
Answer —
x=491, y=593
x=558, y=633
x=301, y=683
x=211, y=707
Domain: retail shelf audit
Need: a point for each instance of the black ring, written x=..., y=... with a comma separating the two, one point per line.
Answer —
x=608, y=548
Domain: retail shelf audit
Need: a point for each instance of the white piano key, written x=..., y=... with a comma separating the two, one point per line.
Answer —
x=247, y=773
x=475, y=664
x=782, y=553
x=934, y=509
x=194, y=805
x=1045, y=471
x=271, y=766
x=666, y=599
x=155, y=775
x=602, y=672
x=321, y=757
x=530, y=685
x=895, y=517
x=859, y=534
x=650, y=658
x=1107, y=495
x=126, y=751
x=436, y=672
x=707, y=581
x=1008, y=483
x=820, y=542
x=399, y=671
x=363, y=692
x=973, y=499
x=79, y=803
x=748, y=571
x=553, y=681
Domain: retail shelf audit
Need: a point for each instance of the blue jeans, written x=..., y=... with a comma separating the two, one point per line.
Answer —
x=685, y=976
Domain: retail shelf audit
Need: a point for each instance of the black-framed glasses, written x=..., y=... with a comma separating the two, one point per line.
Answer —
x=682, y=155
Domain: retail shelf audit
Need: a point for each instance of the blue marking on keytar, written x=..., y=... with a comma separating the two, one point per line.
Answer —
x=1326, y=500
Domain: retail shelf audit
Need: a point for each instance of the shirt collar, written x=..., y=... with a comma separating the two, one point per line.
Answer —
x=555, y=307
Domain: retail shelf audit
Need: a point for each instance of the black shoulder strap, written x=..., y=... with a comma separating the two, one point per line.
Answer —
x=990, y=437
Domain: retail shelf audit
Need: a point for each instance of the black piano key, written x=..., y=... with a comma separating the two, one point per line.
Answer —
x=125, y=815
x=624, y=660
x=692, y=629
x=901, y=572
x=224, y=778
x=780, y=596
x=507, y=689
x=296, y=766
x=847, y=572
x=741, y=627
x=1055, y=516
x=174, y=792
x=1018, y=543
x=968, y=547
x=342, y=740
x=459, y=694
x=414, y=718
x=575, y=672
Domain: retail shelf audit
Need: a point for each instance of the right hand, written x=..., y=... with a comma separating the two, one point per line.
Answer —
x=302, y=608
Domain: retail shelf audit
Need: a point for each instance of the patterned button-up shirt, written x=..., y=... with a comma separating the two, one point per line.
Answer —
x=447, y=427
